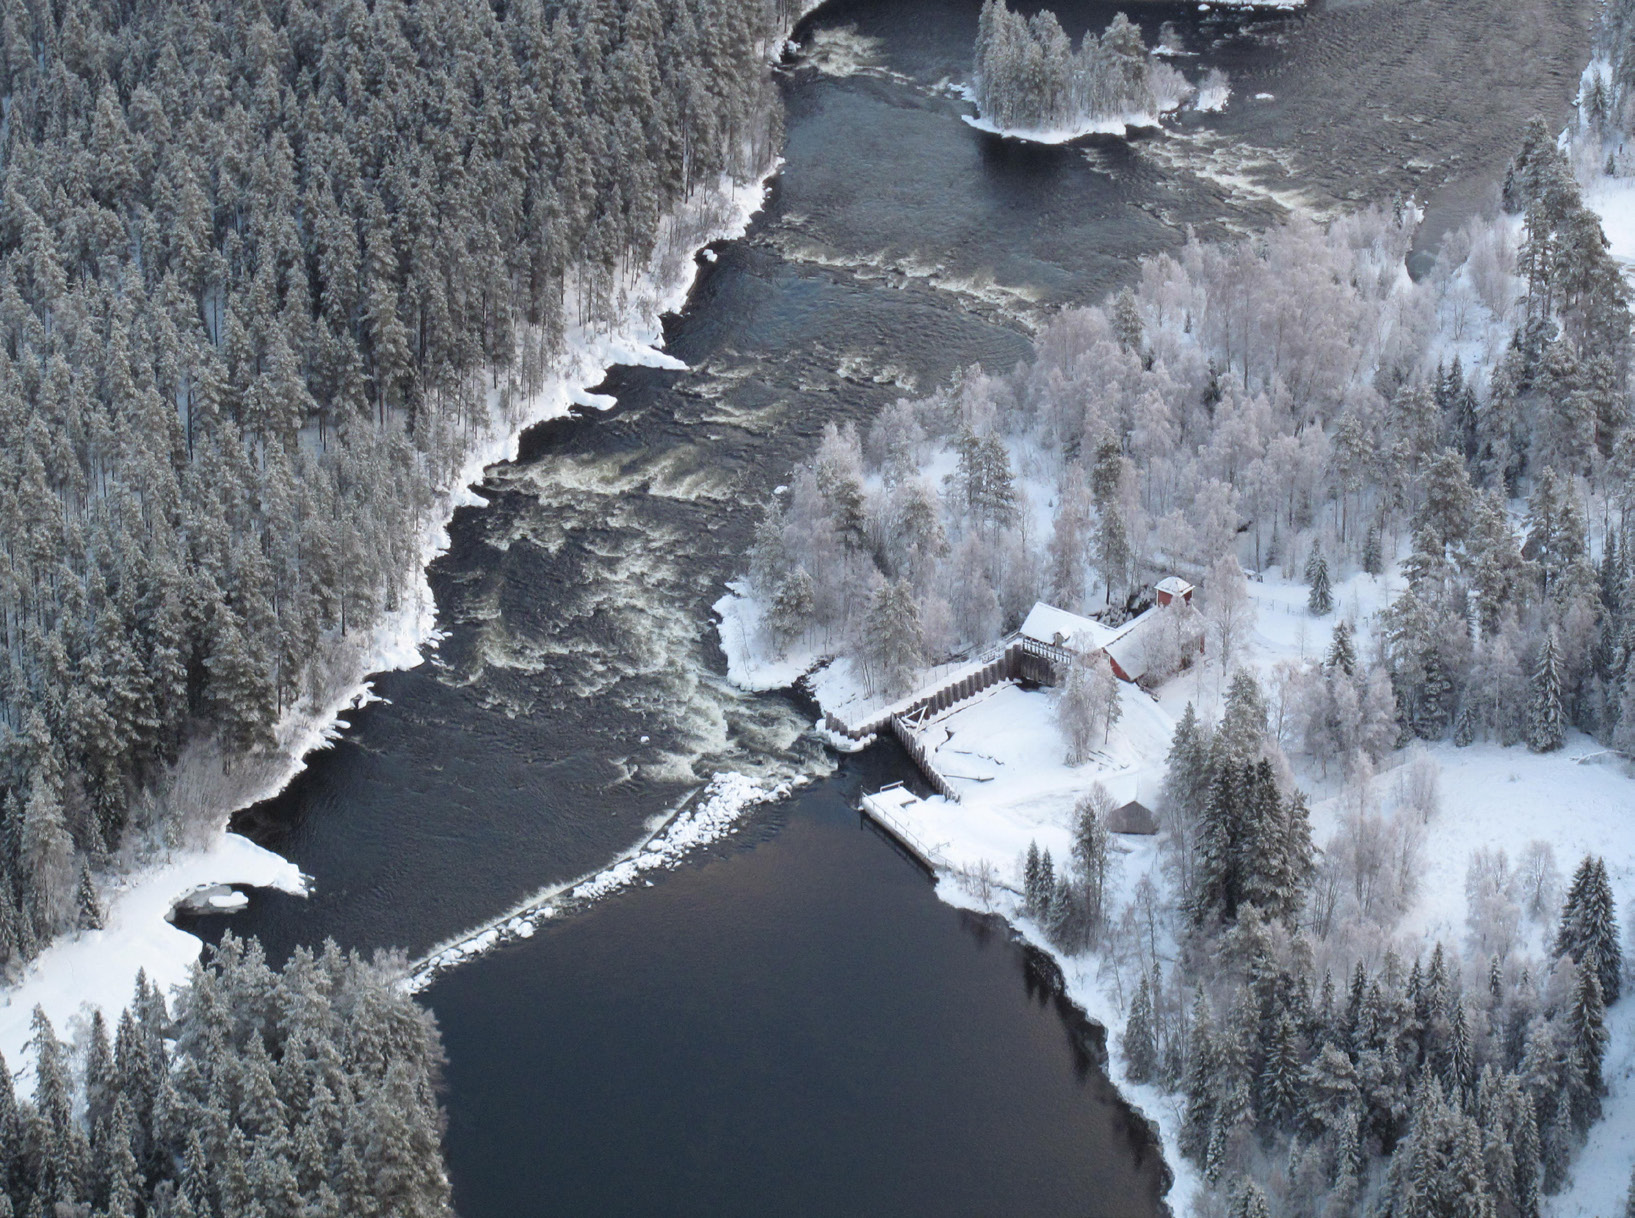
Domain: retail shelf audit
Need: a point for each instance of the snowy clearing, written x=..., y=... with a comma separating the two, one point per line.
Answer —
x=98, y=968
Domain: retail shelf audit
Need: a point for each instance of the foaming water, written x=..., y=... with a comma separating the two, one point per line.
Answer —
x=578, y=693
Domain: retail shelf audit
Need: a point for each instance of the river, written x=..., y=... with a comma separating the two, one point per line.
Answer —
x=791, y=1022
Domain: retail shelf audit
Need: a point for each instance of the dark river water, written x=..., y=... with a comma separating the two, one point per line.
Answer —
x=791, y=1023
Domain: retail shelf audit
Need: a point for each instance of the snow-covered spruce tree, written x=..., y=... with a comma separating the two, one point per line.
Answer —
x=1282, y=1082
x=1249, y=1201
x=1464, y=726
x=1064, y=921
x=1342, y=652
x=1586, y=1043
x=310, y=1089
x=1547, y=717
x=91, y=915
x=1186, y=786
x=1140, y=1050
x=1320, y=601
x=1032, y=886
x=1254, y=848
x=1588, y=929
x=1373, y=554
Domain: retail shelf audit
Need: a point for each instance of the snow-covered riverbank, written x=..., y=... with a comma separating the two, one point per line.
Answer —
x=1118, y=125
x=1003, y=752
x=99, y=968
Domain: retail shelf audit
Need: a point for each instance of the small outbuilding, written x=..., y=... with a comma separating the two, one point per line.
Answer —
x=1173, y=588
x=1134, y=817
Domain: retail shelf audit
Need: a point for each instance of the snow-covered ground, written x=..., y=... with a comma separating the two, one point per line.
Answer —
x=99, y=968
x=1005, y=755
x=1115, y=125
x=750, y=665
x=1613, y=199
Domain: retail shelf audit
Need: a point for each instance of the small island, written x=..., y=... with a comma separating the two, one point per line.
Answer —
x=1030, y=83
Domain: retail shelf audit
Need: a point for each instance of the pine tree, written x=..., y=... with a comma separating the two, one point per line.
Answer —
x=1547, y=720
x=1588, y=930
x=1280, y=1076
x=1091, y=856
x=1464, y=726
x=1249, y=1201
x=1047, y=886
x=1587, y=1048
x=1373, y=557
x=1215, y=1155
x=1063, y=922
x=1199, y=1084
x=1032, y=890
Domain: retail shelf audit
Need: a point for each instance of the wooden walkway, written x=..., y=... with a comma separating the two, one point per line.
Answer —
x=1013, y=659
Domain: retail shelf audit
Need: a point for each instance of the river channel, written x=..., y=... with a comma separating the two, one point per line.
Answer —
x=791, y=1023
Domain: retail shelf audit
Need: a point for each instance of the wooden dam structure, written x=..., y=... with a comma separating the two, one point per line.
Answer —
x=1015, y=659
x=1049, y=641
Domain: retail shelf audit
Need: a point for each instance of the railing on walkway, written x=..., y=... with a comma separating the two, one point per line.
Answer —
x=877, y=811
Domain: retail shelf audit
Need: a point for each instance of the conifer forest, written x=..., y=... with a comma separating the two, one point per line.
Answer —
x=1278, y=526
x=263, y=266
x=268, y=271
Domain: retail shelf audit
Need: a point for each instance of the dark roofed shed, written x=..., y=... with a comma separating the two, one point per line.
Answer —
x=1133, y=817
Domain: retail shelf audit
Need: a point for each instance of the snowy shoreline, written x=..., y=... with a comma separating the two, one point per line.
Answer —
x=98, y=968
x=1003, y=750
x=1120, y=125
x=990, y=829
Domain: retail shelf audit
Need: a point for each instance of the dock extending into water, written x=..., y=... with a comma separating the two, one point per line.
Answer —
x=883, y=808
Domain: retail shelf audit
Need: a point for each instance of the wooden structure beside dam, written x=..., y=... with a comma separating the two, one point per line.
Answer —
x=1016, y=659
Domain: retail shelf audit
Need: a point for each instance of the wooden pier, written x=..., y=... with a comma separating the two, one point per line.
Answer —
x=882, y=807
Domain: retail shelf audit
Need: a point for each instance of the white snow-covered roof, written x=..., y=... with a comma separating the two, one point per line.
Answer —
x=1174, y=585
x=1128, y=646
x=1130, y=652
x=1048, y=624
